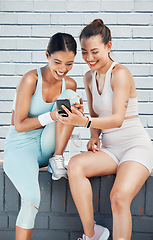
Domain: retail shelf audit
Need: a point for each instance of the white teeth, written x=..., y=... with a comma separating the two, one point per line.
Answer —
x=92, y=63
x=61, y=74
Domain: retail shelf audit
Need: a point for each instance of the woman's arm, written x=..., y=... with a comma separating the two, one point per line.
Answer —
x=121, y=83
x=25, y=90
x=88, y=88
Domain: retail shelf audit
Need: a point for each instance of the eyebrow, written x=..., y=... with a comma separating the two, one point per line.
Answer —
x=61, y=61
x=91, y=49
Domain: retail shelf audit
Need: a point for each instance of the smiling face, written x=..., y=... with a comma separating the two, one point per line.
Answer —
x=60, y=63
x=94, y=52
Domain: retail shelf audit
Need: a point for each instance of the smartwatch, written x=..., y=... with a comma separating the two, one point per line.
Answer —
x=89, y=122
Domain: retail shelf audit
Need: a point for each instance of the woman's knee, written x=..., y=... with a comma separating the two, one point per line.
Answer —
x=28, y=211
x=75, y=167
x=119, y=200
x=31, y=195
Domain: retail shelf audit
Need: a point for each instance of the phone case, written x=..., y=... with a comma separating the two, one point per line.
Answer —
x=64, y=102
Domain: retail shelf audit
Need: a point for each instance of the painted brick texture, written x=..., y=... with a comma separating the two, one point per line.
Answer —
x=27, y=25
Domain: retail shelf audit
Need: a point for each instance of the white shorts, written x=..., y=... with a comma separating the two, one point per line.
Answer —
x=130, y=142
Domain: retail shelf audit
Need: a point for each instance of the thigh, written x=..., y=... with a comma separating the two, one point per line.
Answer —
x=94, y=164
x=21, y=166
x=48, y=143
x=130, y=178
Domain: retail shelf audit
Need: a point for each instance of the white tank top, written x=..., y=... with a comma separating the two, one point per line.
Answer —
x=102, y=103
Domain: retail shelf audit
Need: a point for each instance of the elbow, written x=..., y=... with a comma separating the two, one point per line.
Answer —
x=18, y=127
x=119, y=125
x=119, y=122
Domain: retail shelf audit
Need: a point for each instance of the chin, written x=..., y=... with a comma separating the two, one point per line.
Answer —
x=94, y=68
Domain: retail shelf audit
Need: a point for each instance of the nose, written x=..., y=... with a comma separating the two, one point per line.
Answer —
x=62, y=68
x=89, y=57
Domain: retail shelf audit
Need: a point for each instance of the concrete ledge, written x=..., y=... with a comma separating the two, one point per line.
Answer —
x=58, y=218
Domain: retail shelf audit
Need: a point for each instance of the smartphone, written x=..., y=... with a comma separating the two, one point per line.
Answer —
x=66, y=103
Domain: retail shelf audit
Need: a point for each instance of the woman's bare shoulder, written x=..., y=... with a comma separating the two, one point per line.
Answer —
x=30, y=78
x=121, y=76
x=120, y=69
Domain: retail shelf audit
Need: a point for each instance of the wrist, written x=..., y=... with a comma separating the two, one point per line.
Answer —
x=45, y=119
x=88, y=123
x=53, y=115
x=86, y=119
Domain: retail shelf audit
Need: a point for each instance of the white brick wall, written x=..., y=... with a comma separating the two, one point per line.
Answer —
x=26, y=26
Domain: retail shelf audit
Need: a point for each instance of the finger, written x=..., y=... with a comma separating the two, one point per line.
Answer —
x=98, y=145
x=90, y=149
x=81, y=111
x=66, y=110
x=81, y=101
x=93, y=148
x=88, y=146
x=76, y=111
x=60, y=118
x=78, y=105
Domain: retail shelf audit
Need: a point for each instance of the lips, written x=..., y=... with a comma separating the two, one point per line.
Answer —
x=92, y=64
x=61, y=74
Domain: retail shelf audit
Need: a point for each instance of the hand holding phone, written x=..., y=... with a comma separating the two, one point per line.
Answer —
x=66, y=103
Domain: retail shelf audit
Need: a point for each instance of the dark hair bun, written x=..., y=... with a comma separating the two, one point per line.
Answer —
x=97, y=27
x=98, y=23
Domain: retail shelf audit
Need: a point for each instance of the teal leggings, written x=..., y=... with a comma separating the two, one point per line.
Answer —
x=24, y=154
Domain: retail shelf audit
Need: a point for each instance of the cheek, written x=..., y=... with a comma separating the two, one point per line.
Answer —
x=84, y=57
x=70, y=67
x=99, y=55
x=55, y=67
x=52, y=65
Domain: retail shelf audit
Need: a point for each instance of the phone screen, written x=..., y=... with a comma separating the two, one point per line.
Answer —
x=66, y=103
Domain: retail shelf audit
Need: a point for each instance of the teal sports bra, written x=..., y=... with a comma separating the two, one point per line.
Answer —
x=38, y=105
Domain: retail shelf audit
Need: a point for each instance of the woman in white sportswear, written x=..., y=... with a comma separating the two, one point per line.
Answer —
x=126, y=148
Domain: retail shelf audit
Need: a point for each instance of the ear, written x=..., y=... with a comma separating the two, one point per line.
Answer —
x=109, y=46
x=47, y=54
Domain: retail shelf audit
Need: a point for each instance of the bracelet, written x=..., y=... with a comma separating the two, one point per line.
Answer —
x=89, y=122
x=45, y=119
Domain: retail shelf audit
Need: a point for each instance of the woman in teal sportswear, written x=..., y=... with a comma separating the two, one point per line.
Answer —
x=34, y=134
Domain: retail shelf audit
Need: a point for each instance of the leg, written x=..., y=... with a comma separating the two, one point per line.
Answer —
x=129, y=179
x=22, y=169
x=63, y=134
x=80, y=168
x=22, y=233
x=54, y=139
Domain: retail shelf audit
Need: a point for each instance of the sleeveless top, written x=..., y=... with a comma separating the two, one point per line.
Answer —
x=102, y=104
x=38, y=105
